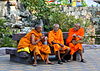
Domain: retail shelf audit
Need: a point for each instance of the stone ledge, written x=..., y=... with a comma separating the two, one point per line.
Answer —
x=3, y=50
x=85, y=46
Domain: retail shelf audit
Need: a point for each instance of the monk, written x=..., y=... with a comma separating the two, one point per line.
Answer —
x=33, y=40
x=55, y=38
x=74, y=40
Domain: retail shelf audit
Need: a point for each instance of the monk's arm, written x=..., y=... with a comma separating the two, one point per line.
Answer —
x=61, y=38
x=42, y=38
x=81, y=36
x=50, y=38
x=70, y=37
x=33, y=40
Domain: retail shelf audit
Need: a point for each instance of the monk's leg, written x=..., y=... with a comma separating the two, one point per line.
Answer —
x=80, y=52
x=71, y=58
x=72, y=50
x=66, y=52
x=59, y=58
x=57, y=51
x=47, y=60
x=35, y=59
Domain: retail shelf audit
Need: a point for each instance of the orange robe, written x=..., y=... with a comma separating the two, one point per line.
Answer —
x=57, y=37
x=39, y=48
x=78, y=46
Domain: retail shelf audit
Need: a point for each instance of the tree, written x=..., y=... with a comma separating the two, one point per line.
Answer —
x=50, y=14
x=39, y=7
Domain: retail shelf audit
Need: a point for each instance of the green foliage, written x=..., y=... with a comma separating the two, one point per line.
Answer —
x=42, y=10
x=7, y=42
x=2, y=27
x=5, y=33
x=66, y=21
x=84, y=4
x=52, y=14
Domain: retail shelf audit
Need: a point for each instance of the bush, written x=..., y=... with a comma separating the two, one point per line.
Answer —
x=66, y=22
x=7, y=42
x=5, y=35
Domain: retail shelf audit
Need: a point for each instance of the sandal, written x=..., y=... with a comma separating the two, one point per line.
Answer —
x=34, y=64
x=63, y=60
x=84, y=61
x=60, y=62
x=51, y=63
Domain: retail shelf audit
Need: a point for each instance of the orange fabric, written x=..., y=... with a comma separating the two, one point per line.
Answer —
x=39, y=48
x=57, y=37
x=78, y=46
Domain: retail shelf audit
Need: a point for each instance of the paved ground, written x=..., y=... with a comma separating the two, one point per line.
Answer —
x=92, y=56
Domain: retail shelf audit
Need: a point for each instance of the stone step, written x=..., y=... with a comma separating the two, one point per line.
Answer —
x=85, y=46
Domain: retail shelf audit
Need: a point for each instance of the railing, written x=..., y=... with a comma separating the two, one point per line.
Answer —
x=18, y=36
x=96, y=39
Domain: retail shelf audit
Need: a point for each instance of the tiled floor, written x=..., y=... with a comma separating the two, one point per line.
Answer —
x=92, y=56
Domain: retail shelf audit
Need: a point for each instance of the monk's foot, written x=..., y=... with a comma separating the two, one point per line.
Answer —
x=51, y=63
x=35, y=64
x=69, y=60
x=60, y=62
x=63, y=60
x=84, y=61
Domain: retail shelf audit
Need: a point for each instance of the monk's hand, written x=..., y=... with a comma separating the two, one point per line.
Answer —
x=53, y=42
x=80, y=37
x=80, y=41
x=42, y=37
x=34, y=43
x=46, y=38
x=74, y=42
x=61, y=45
x=74, y=35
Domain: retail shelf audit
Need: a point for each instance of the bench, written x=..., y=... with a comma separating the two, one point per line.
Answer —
x=26, y=58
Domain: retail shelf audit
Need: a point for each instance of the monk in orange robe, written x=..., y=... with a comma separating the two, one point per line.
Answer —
x=34, y=40
x=55, y=38
x=74, y=40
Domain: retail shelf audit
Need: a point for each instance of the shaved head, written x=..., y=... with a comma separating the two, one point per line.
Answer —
x=38, y=28
x=77, y=26
x=56, y=27
x=38, y=25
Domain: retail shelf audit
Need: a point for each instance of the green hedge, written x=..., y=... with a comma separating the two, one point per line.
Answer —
x=5, y=35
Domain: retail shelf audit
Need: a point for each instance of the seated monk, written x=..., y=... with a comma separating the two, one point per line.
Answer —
x=74, y=40
x=55, y=38
x=33, y=40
